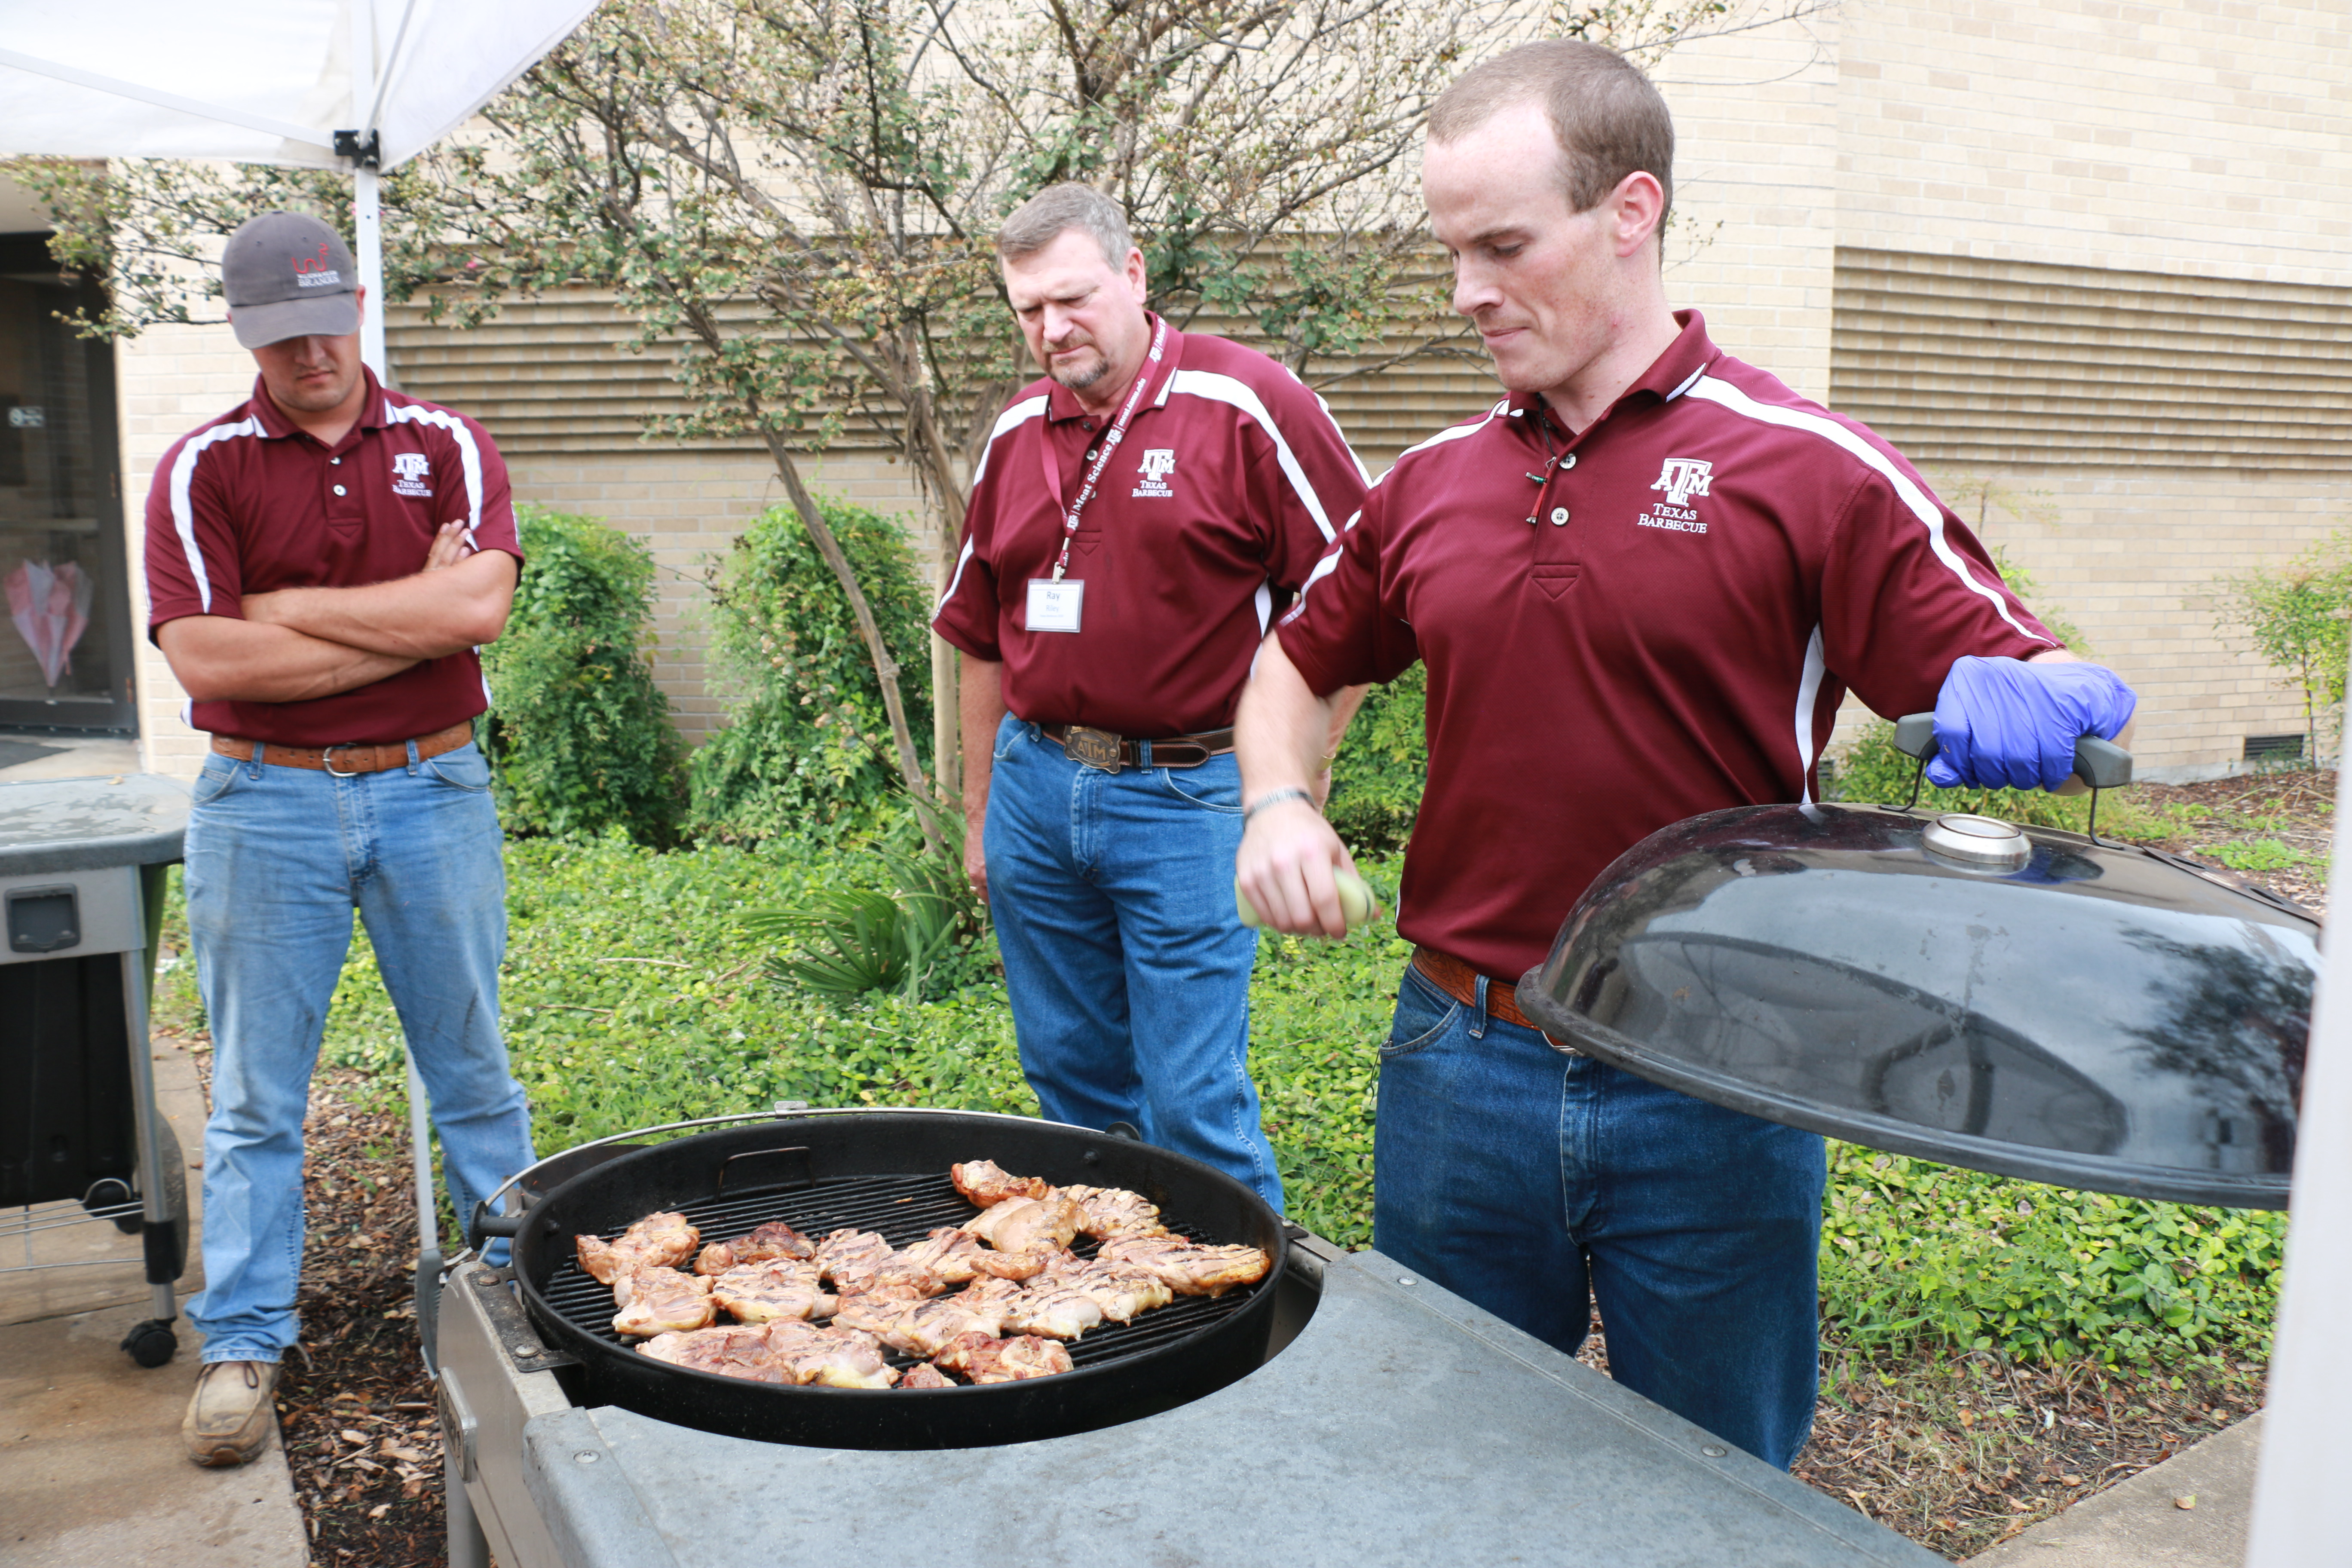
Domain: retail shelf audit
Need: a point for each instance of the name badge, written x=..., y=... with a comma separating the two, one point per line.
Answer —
x=1055, y=606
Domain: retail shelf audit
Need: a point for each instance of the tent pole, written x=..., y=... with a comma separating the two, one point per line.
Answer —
x=367, y=225
x=2300, y=1521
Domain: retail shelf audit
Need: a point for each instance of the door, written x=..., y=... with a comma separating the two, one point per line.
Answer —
x=66, y=651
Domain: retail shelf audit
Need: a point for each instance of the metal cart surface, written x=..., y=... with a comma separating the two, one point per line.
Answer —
x=82, y=868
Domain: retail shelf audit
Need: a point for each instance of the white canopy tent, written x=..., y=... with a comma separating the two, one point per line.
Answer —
x=268, y=81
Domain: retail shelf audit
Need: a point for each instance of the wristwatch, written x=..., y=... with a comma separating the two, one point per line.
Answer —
x=1276, y=797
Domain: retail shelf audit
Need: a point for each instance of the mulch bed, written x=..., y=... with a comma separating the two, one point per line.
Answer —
x=1957, y=1451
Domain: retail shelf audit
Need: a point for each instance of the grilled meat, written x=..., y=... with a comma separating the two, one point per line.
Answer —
x=657, y=1241
x=1189, y=1267
x=662, y=1300
x=958, y=1257
x=853, y=1252
x=780, y=1288
x=773, y=1240
x=1108, y=1211
x=838, y=1358
x=733, y=1351
x=927, y=1376
x=980, y=1182
x=985, y=1359
x=921, y=1327
x=1053, y=1311
x=1120, y=1289
x=1027, y=1225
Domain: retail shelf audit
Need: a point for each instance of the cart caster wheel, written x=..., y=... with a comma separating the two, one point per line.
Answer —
x=151, y=1343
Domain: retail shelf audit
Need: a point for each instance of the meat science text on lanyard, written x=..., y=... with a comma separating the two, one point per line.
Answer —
x=1056, y=603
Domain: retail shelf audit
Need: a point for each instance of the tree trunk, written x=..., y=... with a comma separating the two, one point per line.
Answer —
x=885, y=668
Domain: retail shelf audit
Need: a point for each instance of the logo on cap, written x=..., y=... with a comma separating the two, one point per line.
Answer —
x=315, y=271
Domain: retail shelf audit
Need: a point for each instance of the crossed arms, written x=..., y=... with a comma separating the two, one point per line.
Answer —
x=301, y=643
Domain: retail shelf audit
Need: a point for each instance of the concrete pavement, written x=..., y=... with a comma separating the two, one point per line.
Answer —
x=91, y=1470
x=2139, y=1522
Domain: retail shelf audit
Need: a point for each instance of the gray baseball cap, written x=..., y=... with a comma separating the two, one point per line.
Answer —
x=289, y=276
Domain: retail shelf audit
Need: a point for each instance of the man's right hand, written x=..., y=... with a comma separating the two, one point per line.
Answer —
x=975, y=858
x=1287, y=857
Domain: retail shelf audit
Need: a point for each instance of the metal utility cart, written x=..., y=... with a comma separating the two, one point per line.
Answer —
x=82, y=863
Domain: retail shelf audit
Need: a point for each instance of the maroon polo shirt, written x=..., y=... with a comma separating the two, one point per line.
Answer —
x=251, y=503
x=1229, y=485
x=1661, y=623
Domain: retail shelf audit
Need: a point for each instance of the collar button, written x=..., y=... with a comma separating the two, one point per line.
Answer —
x=1567, y=462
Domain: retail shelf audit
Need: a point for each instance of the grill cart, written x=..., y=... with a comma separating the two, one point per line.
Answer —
x=82, y=863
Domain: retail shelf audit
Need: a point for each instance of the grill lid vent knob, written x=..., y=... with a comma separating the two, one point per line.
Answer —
x=1982, y=841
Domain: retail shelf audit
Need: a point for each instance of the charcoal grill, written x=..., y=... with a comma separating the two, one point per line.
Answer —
x=885, y=1171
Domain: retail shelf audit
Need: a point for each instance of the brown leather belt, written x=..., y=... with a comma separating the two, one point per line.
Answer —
x=1459, y=981
x=1101, y=748
x=345, y=760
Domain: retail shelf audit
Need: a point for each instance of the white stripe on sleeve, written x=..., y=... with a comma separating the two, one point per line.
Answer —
x=183, y=514
x=1715, y=390
x=1012, y=418
x=961, y=562
x=1241, y=396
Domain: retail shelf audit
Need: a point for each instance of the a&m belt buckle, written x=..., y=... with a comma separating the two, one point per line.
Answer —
x=1095, y=748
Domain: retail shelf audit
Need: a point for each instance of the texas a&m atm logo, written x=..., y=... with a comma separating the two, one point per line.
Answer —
x=1152, y=473
x=1685, y=479
x=409, y=473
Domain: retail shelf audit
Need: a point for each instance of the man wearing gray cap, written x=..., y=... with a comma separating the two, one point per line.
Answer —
x=321, y=562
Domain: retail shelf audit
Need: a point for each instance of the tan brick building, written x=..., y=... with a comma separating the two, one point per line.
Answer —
x=2087, y=258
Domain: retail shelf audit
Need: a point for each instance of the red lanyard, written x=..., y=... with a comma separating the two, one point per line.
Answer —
x=1111, y=438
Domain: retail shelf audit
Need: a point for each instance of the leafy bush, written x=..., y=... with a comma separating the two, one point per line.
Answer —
x=1382, y=766
x=2299, y=618
x=578, y=734
x=923, y=931
x=1914, y=1252
x=808, y=742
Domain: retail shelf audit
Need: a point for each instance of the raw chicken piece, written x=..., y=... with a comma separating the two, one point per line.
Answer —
x=1189, y=1267
x=894, y=1278
x=662, y=1300
x=1051, y=1309
x=852, y=1252
x=1113, y=1212
x=780, y=1288
x=927, y=1376
x=838, y=1358
x=656, y=1241
x=982, y=1183
x=729, y=1351
x=958, y=1257
x=776, y=1239
x=1120, y=1289
x=1027, y=1225
x=984, y=1360
x=920, y=1328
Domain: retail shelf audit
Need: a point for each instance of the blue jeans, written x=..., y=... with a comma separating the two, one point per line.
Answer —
x=1128, y=969
x=277, y=858
x=1516, y=1174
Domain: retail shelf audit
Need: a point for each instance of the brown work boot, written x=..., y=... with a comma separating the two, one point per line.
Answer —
x=230, y=1415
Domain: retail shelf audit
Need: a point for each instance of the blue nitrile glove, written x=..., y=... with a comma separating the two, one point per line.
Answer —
x=2003, y=723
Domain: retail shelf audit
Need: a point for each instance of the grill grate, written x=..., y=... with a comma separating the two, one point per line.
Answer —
x=904, y=1209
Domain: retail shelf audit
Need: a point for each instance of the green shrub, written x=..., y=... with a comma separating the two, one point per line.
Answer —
x=807, y=746
x=1384, y=763
x=578, y=734
x=2298, y=615
x=923, y=930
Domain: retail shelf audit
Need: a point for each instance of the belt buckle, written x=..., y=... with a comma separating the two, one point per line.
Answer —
x=327, y=760
x=1095, y=748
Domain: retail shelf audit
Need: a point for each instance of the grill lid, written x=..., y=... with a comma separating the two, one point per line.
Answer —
x=2018, y=1000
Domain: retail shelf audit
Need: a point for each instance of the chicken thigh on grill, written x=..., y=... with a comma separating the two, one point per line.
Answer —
x=926, y=1376
x=838, y=1358
x=985, y=1359
x=773, y=1240
x=657, y=1241
x=662, y=1300
x=780, y=1288
x=1027, y=1225
x=982, y=1183
x=1107, y=1212
x=921, y=1327
x=1189, y=1267
x=734, y=1351
x=958, y=1257
x=1120, y=1289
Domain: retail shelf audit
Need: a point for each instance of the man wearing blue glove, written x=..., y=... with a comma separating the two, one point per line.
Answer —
x=2007, y=723
x=1640, y=585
